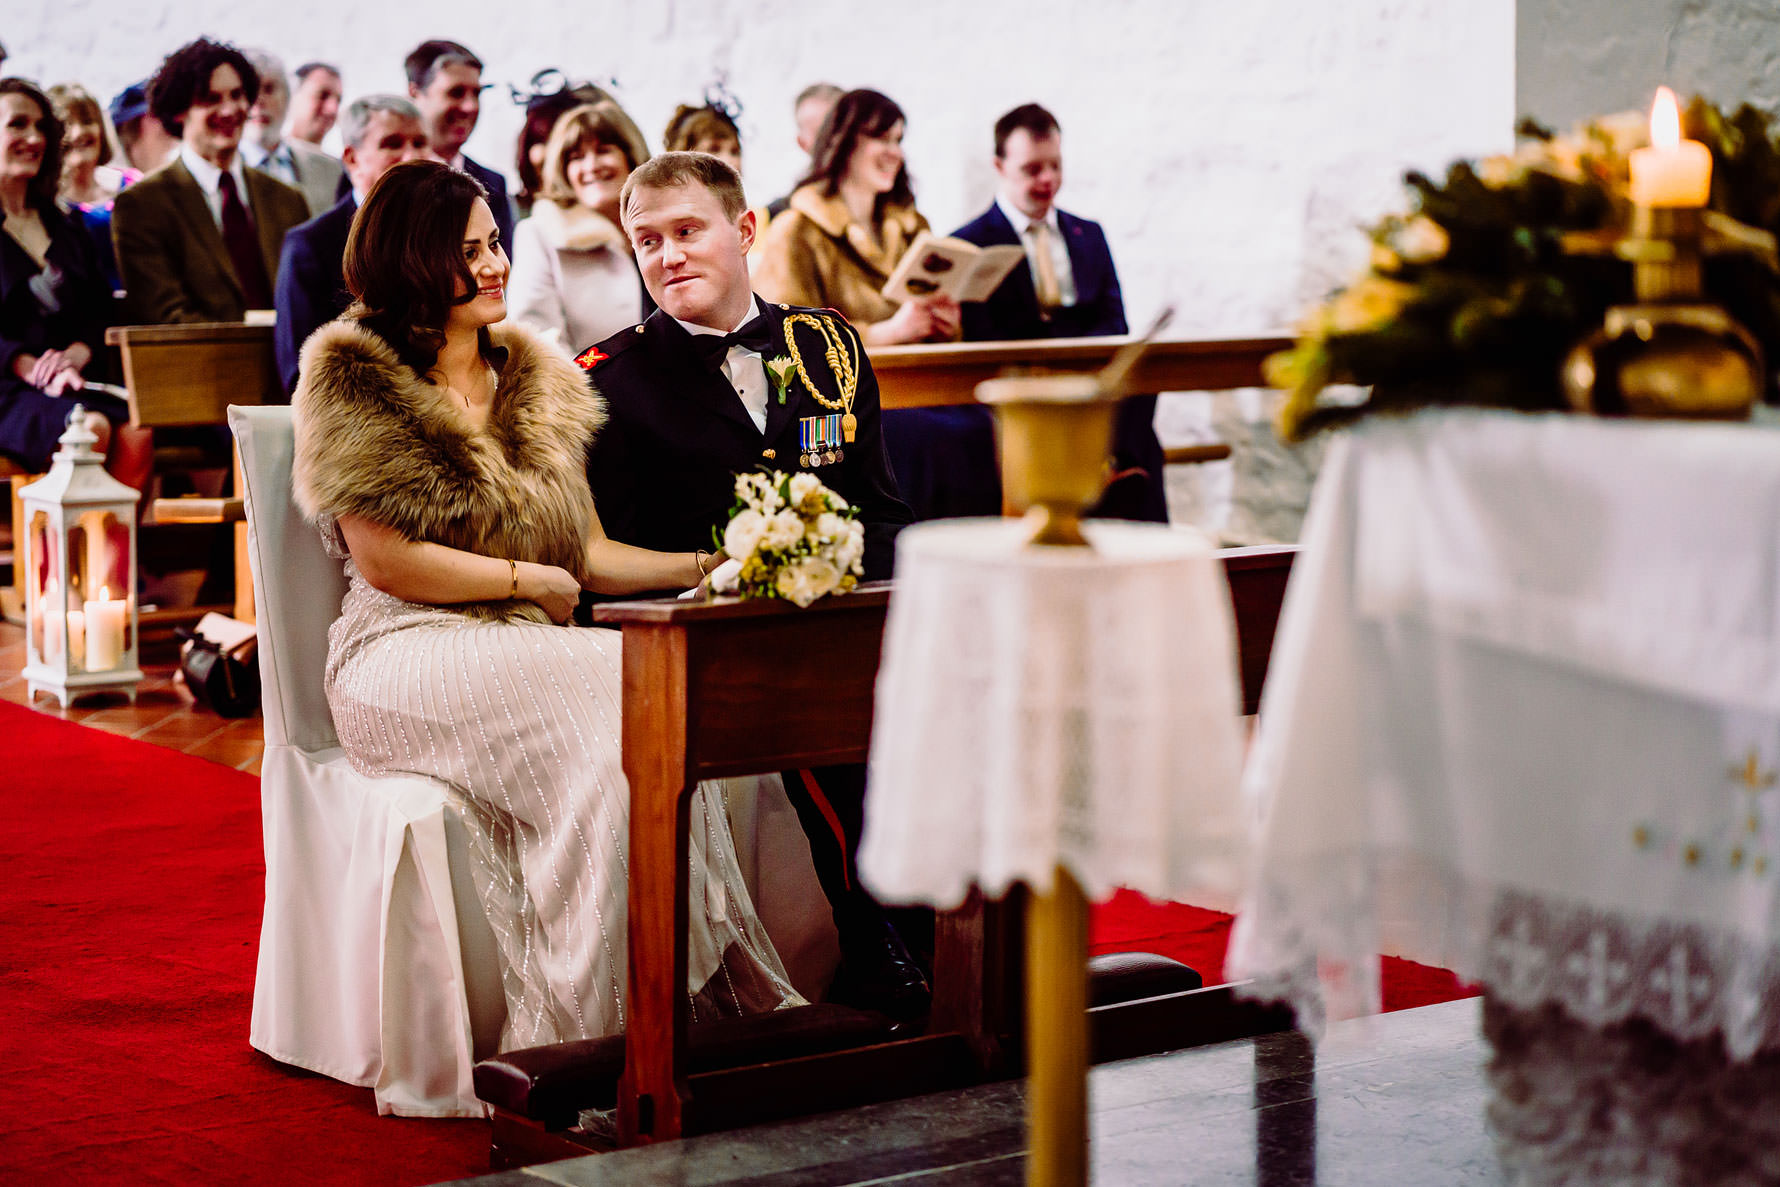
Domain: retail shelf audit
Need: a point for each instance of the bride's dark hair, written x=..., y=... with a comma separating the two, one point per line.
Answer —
x=404, y=263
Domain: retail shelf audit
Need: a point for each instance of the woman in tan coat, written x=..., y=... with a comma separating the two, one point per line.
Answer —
x=850, y=221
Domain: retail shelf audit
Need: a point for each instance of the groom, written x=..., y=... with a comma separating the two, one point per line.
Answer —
x=691, y=404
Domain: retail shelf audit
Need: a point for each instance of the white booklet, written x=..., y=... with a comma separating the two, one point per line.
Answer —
x=962, y=271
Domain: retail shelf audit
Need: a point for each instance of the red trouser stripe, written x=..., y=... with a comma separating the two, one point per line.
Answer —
x=834, y=823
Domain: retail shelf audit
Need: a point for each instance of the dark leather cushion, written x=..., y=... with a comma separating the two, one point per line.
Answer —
x=551, y=1084
x=1131, y=976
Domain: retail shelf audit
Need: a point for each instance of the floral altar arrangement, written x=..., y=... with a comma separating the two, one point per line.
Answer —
x=1477, y=293
x=794, y=538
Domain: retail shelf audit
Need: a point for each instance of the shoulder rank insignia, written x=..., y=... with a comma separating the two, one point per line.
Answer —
x=592, y=357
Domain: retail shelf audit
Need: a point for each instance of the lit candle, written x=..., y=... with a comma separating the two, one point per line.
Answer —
x=77, y=638
x=1672, y=171
x=104, y=631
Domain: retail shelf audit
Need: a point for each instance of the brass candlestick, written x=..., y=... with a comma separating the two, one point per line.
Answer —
x=1672, y=354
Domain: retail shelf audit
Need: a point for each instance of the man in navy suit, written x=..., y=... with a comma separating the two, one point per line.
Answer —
x=445, y=82
x=1068, y=289
x=379, y=131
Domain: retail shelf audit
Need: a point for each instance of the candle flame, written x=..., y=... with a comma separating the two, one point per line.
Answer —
x=1665, y=119
x=104, y=593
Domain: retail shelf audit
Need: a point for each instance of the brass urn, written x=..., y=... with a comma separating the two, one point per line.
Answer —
x=1053, y=434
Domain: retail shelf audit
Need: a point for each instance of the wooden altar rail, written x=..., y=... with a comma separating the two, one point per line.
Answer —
x=948, y=373
x=715, y=689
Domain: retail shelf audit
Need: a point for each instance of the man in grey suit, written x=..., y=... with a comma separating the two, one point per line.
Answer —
x=310, y=171
x=198, y=241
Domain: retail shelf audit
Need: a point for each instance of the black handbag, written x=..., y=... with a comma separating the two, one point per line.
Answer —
x=224, y=680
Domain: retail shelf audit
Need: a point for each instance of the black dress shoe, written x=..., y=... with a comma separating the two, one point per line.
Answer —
x=877, y=973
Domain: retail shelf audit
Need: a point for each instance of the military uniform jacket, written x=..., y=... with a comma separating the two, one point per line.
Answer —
x=663, y=469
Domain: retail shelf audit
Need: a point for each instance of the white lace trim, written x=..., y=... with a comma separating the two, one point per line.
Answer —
x=1312, y=944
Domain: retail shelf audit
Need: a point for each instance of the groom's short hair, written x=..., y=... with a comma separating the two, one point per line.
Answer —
x=687, y=168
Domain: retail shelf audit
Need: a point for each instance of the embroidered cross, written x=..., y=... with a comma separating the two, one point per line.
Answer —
x=1524, y=959
x=1600, y=972
x=1676, y=980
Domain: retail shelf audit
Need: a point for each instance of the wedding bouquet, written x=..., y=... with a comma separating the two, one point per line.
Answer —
x=793, y=537
x=1475, y=293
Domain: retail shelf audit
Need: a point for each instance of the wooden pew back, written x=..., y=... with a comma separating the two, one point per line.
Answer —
x=189, y=374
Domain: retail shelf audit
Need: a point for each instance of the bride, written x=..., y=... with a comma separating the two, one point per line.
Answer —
x=445, y=454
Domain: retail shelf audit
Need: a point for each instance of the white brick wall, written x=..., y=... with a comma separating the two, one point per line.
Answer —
x=1229, y=147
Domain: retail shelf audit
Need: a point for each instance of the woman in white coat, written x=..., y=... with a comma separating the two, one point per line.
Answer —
x=573, y=274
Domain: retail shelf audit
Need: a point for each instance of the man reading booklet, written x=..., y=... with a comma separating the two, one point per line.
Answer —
x=952, y=267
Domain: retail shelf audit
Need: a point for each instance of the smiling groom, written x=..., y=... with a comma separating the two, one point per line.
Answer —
x=690, y=404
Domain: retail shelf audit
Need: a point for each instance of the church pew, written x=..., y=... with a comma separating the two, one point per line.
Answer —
x=186, y=376
x=948, y=373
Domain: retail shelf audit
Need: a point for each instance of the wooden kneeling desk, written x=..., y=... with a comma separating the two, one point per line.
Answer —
x=731, y=688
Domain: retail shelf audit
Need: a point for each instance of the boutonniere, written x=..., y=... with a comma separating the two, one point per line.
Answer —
x=783, y=371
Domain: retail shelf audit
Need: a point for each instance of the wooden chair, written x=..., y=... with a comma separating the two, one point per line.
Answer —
x=185, y=376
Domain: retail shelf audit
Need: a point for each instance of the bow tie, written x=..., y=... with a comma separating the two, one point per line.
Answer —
x=756, y=335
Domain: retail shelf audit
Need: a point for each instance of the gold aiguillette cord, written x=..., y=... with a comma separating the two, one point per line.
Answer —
x=843, y=364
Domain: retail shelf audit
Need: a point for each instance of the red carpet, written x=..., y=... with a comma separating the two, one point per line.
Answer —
x=129, y=917
x=1128, y=922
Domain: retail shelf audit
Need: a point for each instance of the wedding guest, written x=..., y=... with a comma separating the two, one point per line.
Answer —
x=1068, y=288
x=809, y=112
x=550, y=98
x=574, y=279
x=849, y=222
x=445, y=82
x=690, y=405
x=379, y=132
x=146, y=144
x=439, y=449
x=707, y=128
x=310, y=171
x=199, y=240
x=848, y=225
x=315, y=103
x=90, y=183
x=55, y=302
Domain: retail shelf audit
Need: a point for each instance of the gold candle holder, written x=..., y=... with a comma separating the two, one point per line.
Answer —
x=1053, y=434
x=1672, y=354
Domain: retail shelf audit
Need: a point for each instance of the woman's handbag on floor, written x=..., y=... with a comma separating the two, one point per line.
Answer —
x=223, y=673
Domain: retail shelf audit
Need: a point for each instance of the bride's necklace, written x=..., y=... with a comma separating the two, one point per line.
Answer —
x=487, y=376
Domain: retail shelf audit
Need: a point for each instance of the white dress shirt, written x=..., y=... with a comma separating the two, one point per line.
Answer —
x=1022, y=226
x=209, y=177
x=744, y=368
x=279, y=162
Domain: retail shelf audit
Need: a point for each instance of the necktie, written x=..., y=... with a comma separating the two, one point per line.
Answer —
x=756, y=336
x=243, y=246
x=1050, y=294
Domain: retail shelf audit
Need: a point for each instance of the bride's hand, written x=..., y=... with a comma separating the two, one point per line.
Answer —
x=552, y=587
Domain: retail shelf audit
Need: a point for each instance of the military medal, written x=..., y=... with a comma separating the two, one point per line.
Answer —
x=843, y=364
x=819, y=438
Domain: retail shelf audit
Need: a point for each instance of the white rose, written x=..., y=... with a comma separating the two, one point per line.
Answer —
x=806, y=580
x=743, y=533
x=852, y=549
x=783, y=530
x=802, y=483
x=829, y=527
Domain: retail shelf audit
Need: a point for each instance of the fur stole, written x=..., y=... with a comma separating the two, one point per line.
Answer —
x=374, y=440
x=575, y=228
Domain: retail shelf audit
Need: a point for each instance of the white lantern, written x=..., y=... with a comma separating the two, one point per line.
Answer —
x=80, y=565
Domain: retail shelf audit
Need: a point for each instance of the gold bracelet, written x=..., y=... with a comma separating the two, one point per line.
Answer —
x=513, y=568
x=698, y=559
